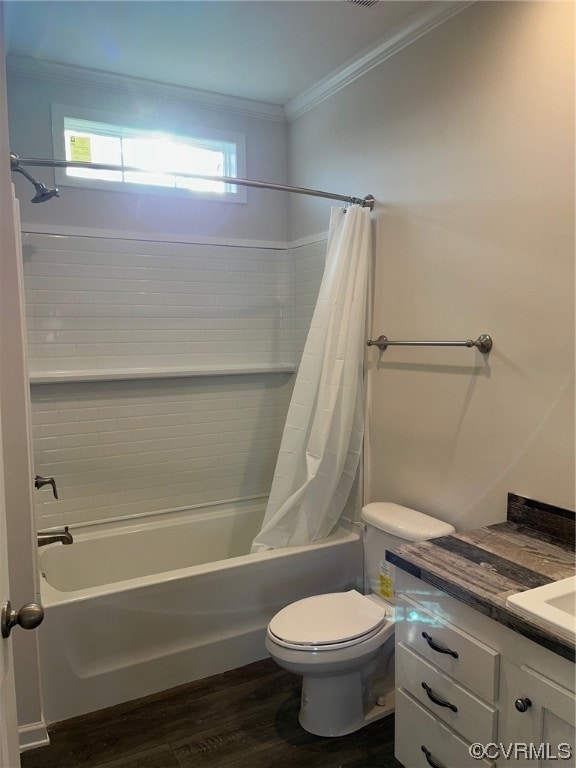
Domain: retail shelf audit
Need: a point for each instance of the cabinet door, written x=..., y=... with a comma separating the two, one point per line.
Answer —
x=540, y=714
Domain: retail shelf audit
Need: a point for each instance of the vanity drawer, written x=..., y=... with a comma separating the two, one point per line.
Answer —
x=417, y=730
x=457, y=653
x=466, y=715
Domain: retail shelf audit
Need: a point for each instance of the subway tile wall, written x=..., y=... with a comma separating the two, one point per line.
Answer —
x=96, y=303
x=125, y=448
x=131, y=447
x=309, y=261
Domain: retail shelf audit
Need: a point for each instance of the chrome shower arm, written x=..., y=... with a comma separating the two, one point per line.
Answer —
x=42, y=191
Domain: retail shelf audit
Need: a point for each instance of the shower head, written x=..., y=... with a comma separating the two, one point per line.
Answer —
x=42, y=191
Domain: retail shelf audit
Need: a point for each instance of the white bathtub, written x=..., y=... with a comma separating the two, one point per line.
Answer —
x=132, y=610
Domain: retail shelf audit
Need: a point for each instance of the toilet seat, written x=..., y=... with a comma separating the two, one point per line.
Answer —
x=327, y=622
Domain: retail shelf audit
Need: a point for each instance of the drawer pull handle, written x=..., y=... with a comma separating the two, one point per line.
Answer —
x=523, y=705
x=436, y=647
x=441, y=702
x=430, y=760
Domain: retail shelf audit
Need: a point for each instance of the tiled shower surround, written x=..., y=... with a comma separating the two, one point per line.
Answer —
x=103, y=303
x=130, y=447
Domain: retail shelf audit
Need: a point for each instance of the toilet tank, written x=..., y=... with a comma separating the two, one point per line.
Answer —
x=388, y=526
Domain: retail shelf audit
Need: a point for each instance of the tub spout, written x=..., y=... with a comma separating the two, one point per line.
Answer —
x=50, y=537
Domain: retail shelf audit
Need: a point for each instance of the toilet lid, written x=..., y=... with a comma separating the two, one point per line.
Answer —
x=328, y=619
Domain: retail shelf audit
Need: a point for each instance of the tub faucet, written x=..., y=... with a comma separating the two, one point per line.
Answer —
x=50, y=537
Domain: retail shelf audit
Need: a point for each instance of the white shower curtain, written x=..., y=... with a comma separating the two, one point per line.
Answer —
x=322, y=439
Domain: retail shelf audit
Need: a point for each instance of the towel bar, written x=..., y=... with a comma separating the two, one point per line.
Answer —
x=483, y=343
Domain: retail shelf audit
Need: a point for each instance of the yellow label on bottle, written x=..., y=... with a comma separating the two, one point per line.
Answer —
x=80, y=149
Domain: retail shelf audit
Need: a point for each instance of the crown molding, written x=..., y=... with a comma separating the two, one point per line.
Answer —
x=417, y=25
x=109, y=81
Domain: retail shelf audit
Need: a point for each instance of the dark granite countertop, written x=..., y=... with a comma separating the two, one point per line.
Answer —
x=483, y=566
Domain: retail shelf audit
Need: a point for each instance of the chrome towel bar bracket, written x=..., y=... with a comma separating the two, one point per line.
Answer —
x=483, y=343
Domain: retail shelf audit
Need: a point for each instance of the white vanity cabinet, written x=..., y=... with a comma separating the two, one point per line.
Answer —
x=463, y=678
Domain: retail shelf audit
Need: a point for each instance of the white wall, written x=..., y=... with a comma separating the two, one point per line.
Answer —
x=466, y=140
x=30, y=98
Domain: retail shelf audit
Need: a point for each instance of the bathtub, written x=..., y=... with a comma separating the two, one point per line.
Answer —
x=131, y=610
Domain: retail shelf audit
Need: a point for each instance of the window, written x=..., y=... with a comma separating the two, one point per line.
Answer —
x=87, y=136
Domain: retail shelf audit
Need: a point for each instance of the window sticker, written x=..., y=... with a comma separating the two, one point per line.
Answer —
x=80, y=150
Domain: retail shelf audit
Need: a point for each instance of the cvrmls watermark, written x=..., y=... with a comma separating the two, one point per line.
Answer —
x=518, y=750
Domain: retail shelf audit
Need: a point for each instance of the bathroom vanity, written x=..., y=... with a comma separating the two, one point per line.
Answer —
x=473, y=669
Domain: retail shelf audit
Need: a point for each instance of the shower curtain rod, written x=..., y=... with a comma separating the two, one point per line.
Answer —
x=365, y=202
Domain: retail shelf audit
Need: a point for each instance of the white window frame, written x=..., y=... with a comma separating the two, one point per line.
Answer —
x=236, y=194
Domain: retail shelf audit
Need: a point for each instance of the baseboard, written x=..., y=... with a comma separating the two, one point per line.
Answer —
x=33, y=735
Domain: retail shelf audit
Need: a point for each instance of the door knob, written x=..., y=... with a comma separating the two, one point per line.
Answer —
x=28, y=617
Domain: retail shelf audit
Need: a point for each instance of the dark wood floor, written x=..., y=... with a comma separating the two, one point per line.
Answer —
x=246, y=718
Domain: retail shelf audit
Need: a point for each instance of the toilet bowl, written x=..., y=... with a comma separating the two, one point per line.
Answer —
x=332, y=641
x=342, y=644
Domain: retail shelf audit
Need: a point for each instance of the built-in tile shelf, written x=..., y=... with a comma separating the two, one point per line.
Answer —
x=125, y=374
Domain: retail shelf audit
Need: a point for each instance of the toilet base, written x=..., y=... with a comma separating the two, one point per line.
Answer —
x=335, y=706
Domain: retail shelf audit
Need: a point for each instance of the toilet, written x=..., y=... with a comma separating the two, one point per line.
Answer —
x=342, y=643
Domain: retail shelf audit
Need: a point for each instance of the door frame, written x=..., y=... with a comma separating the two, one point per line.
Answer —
x=17, y=488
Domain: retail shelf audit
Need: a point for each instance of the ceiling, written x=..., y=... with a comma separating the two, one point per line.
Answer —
x=270, y=51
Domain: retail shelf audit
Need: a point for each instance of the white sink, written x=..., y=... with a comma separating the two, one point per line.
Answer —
x=553, y=604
